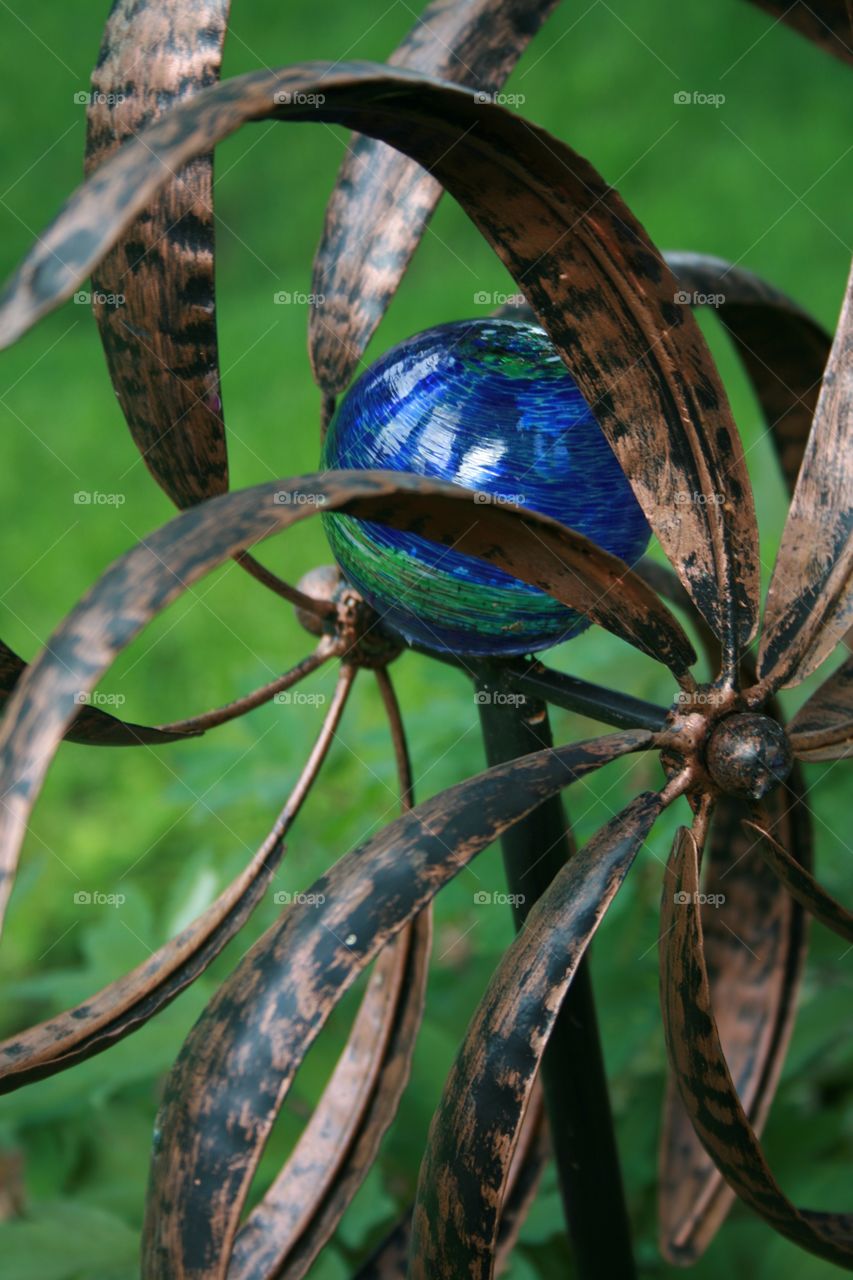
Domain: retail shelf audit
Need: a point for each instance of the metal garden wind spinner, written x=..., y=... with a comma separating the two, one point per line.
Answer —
x=605, y=296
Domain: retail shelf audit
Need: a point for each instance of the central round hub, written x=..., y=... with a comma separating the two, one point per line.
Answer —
x=353, y=624
x=488, y=405
x=748, y=755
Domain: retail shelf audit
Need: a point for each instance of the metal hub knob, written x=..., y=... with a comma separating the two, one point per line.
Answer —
x=748, y=755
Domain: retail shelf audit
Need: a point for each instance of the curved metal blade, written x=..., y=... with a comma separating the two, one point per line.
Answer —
x=476, y=1127
x=703, y=1076
x=91, y=725
x=782, y=348
x=390, y=1260
x=810, y=599
x=298, y=1214
x=802, y=885
x=639, y=358
x=145, y=580
x=828, y=23
x=153, y=294
x=96, y=728
x=382, y=201
x=755, y=944
x=125, y=1005
x=240, y=1059
x=822, y=729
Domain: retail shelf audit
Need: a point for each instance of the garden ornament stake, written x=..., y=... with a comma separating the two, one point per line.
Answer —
x=422, y=490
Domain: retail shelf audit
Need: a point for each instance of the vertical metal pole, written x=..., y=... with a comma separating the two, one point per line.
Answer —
x=573, y=1074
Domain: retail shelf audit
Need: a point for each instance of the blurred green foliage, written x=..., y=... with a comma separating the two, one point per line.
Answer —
x=758, y=180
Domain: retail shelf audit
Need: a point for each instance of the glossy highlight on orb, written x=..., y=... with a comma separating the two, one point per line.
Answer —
x=489, y=405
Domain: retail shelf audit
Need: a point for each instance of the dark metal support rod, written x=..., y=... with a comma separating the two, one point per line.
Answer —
x=573, y=1074
x=620, y=710
x=608, y=705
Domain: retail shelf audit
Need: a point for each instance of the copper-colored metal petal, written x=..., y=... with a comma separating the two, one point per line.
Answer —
x=802, y=885
x=754, y=939
x=153, y=294
x=305, y=1203
x=155, y=572
x=755, y=944
x=390, y=1260
x=669, y=587
x=382, y=201
x=782, y=348
x=592, y=275
x=126, y=1004
x=240, y=1058
x=703, y=1076
x=557, y=560
x=810, y=600
x=829, y=23
x=302, y=1208
x=526, y=1168
x=476, y=1127
x=822, y=729
x=91, y=725
x=572, y=1070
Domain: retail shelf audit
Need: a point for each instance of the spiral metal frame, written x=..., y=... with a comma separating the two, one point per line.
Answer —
x=572, y=245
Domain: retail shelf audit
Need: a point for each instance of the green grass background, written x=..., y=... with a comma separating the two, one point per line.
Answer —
x=762, y=180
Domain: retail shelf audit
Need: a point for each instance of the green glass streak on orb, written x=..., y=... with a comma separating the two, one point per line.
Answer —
x=392, y=573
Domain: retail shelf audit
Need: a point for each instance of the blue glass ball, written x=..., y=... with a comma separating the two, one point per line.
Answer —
x=489, y=405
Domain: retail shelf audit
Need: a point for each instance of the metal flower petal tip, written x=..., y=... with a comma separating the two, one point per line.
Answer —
x=463, y=489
